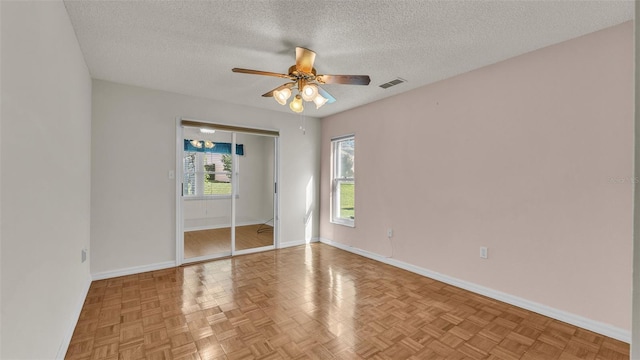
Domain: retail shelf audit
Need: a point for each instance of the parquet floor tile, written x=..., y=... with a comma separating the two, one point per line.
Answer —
x=314, y=302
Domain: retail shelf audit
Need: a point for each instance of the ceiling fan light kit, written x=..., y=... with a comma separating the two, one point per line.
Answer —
x=296, y=104
x=281, y=96
x=304, y=79
x=309, y=92
x=319, y=101
x=198, y=144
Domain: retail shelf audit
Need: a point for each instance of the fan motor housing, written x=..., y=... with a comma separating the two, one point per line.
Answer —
x=293, y=71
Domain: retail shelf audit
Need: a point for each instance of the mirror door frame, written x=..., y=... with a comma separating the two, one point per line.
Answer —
x=178, y=174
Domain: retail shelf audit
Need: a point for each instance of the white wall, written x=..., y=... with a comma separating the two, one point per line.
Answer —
x=255, y=203
x=268, y=167
x=0, y=186
x=133, y=200
x=635, y=331
x=531, y=157
x=45, y=147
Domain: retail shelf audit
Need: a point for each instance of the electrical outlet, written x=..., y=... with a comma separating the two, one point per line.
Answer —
x=390, y=232
x=484, y=252
x=84, y=255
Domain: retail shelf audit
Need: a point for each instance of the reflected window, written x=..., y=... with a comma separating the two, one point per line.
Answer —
x=208, y=168
x=206, y=174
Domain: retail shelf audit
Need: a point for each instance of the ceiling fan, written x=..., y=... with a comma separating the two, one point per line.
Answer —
x=304, y=78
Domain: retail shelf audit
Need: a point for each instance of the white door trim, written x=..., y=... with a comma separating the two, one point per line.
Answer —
x=178, y=208
x=234, y=191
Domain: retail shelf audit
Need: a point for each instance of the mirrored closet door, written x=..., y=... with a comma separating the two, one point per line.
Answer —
x=228, y=200
x=206, y=194
x=255, y=201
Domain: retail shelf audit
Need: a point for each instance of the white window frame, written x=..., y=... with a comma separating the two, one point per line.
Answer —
x=337, y=181
x=201, y=175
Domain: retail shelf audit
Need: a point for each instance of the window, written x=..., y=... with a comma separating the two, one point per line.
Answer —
x=207, y=173
x=343, y=181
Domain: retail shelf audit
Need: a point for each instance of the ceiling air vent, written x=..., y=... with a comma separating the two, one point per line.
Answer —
x=392, y=83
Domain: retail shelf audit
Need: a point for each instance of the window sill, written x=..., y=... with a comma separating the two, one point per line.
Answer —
x=346, y=223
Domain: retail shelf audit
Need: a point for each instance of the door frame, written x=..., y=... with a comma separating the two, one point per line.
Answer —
x=178, y=174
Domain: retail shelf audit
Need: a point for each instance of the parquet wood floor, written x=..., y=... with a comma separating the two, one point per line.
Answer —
x=314, y=302
x=213, y=241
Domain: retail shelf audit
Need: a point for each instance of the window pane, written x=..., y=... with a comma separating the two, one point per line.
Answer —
x=189, y=185
x=347, y=203
x=345, y=155
x=217, y=188
x=189, y=163
x=343, y=196
x=217, y=174
x=206, y=174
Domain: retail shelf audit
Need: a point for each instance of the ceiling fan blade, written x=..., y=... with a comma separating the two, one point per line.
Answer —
x=258, y=72
x=270, y=93
x=344, y=79
x=326, y=95
x=304, y=60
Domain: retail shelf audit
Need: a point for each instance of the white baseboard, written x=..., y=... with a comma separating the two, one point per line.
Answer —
x=296, y=243
x=133, y=270
x=66, y=340
x=167, y=264
x=585, y=323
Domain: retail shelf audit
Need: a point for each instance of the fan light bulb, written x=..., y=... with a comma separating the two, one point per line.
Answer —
x=282, y=95
x=319, y=101
x=296, y=104
x=196, y=144
x=309, y=92
x=209, y=145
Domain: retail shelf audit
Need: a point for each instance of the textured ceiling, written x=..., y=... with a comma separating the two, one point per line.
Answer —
x=189, y=47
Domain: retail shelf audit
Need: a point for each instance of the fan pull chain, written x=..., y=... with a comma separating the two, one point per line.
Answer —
x=303, y=125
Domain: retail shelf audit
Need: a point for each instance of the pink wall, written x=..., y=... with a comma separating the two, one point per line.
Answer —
x=519, y=157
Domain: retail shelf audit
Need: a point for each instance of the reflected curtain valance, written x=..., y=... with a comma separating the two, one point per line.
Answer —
x=218, y=147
